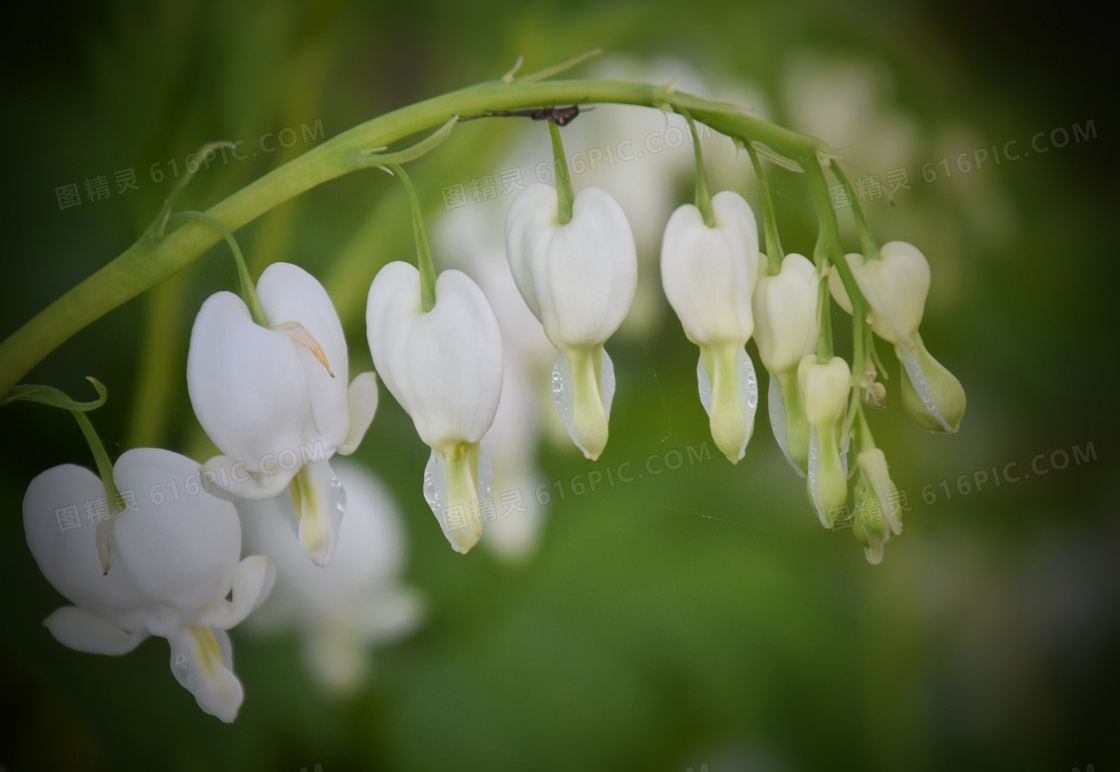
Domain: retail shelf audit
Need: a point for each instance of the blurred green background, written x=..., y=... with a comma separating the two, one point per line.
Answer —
x=699, y=617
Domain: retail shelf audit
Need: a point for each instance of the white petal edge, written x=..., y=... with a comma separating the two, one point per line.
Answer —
x=252, y=582
x=361, y=400
x=320, y=502
x=229, y=479
x=205, y=672
x=83, y=630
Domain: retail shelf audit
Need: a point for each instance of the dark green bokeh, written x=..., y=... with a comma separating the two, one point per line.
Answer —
x=701, y=616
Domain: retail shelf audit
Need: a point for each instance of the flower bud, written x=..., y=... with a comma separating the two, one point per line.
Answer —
x=878, y=510
x=824, y=390
x=895, y=288
x=932, y=395
x=787, y=324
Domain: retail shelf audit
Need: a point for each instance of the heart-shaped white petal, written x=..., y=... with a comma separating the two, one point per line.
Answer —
x=895, y=287
x=247, y=384
x=290, y=294
x=443, y=366
x=709, y=274
x=578, y=278
x=67, y=555
x=787, y=324
x=181, y=552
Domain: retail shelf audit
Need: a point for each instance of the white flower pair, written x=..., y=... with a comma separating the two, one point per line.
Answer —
x=175, y=558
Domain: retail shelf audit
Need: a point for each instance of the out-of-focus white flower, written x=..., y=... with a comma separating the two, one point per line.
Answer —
x=275, y=399
x=824, y=393
x=787, y=326
x=174, y=563
x=356, y=602
x=709, y=275
x=444, y=367
x=896, y=286
x=578, y=279
x=848, y=104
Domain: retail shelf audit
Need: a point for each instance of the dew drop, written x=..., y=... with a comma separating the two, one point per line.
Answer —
x=705, y=385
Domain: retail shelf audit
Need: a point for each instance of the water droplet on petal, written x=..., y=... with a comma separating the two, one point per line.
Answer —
x=705, y=385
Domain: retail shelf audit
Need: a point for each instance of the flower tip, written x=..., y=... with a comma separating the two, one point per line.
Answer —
x=874, y=554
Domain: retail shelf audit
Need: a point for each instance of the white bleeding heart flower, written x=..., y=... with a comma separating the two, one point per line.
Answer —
x=444, y=367
x=895, y=287
x=787, y=327
x=824, y=393
x=879, y=506
x=174, y=563
x=709, y=276
x=343, y=610
x=275, y=399
x=579, y=280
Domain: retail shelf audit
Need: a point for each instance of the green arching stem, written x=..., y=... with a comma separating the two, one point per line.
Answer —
x=867, y=241
x=828, y=252
x=248, y=289
x=774, y=253
x=151, y=260
x=564, y=195
x=423, y=251
x=703, y=196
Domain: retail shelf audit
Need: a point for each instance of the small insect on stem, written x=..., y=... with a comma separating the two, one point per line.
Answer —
x=561, y=116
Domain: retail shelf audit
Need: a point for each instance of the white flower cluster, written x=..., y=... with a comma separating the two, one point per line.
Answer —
x=271, y=388
x=276, y=402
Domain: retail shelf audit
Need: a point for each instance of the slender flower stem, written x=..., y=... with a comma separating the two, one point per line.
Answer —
x=101, y=459
x=867, y=241
x=151, y=260
x=564, y=195
x=423, y=251
x=703, y=197
x=824, y=312
x=774, y=253
x=828, y=252
x=248, y=289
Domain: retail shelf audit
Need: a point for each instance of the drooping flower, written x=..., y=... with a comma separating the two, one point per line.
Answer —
x=709, y=275
x=895, y=287
x=473, y=239
x=824, y=393
x=343, y=610
x=787, y=326
x=878, y=513
x=578, y=279
x=444, y=367
x=275, y=399
x=175, y=559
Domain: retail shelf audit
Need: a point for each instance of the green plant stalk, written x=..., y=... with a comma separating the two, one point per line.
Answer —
x=248, y=288
x=149, y=261
x=867, y=241
x=827, y=251
x=703, y=195
x=774, y=253
x=423, y=251
x=565, y=196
